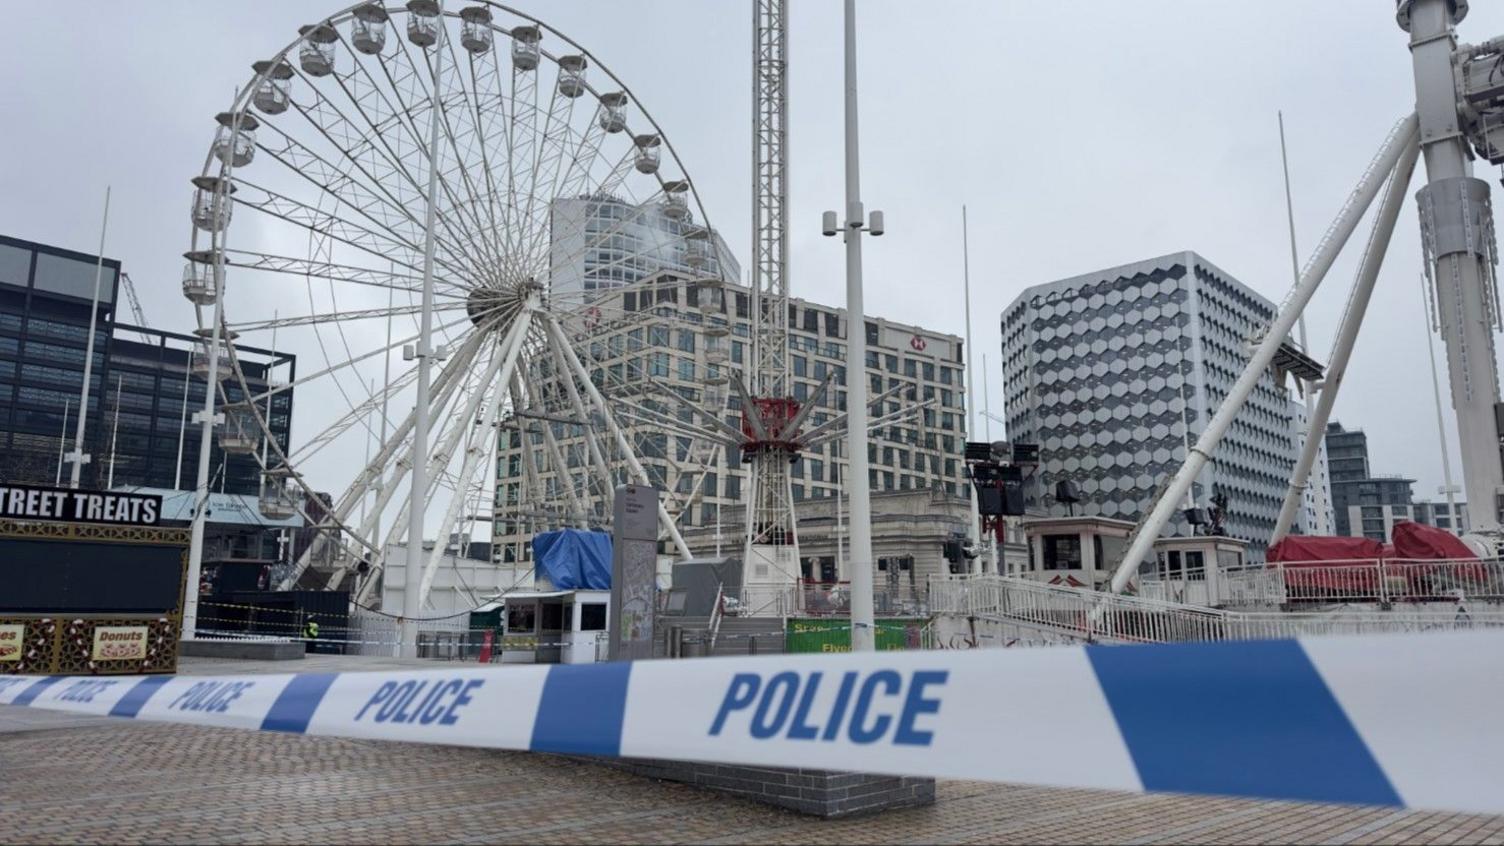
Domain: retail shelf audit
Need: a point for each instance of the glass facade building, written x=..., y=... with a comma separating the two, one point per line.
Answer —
x=1115, y=373
x=45, y=297
x=138, y=383
x=599, y=243
x=153, y=394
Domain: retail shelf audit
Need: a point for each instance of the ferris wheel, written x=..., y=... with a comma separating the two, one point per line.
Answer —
x=550, y=186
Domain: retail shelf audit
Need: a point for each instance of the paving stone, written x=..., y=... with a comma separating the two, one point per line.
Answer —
x=130, y=782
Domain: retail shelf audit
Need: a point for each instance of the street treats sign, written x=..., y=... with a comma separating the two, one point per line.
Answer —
x=120, y=643
x=30, y=502
x=11, y=638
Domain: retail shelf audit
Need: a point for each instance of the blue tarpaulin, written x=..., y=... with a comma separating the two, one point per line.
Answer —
x=574, y=559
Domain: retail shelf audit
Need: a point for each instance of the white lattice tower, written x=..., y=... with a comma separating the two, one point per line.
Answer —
x=771, y=542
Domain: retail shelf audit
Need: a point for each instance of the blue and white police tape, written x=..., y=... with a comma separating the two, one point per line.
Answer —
x=1402, y=720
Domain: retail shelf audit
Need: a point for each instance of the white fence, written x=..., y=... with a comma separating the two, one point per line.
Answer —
x=1383, y=581
x=1092, y=615
x=378, y=634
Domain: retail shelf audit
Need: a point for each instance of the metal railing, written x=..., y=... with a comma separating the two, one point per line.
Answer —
x=833, y=599
x=1371, y=580
x=1096, y=616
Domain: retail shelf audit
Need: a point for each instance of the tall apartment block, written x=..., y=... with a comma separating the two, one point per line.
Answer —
x=1114, y=373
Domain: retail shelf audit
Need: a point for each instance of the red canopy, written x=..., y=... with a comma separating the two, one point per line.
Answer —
x=1418, y=541
x=1316, y=549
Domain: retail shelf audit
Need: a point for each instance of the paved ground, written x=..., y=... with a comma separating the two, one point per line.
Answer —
x=90, y=780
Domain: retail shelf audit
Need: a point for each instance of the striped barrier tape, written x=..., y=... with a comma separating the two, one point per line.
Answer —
x=1400, y=720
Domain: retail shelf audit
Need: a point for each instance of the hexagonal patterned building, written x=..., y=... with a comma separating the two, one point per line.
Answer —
x=1114, y=373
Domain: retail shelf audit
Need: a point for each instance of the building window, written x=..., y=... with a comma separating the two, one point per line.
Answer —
x=871, y=332
x=593, y=617
x=801, y=367
x=522, y=619
x=686, y=340
x=832, y=325
x=1062, y=552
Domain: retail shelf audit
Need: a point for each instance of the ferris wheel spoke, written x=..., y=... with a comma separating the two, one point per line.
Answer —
x=414, y=95
x=401, y=154
x=347, y=364
x=306, y=268
x=461, y=132
x=380, y=243
x=352, y=185
x=369, y=408
x=337, y=317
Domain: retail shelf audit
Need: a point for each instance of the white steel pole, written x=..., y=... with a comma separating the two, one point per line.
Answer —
x=1310, y=386
x=973, y=525
x=1347, y=336
x=1180, y=485
x=177, y=477
x=1441, y=426
x=114, y=434
x=862, y=620
x=62, y=441
x=986, y=402
x=412, y=573
x=77, y=456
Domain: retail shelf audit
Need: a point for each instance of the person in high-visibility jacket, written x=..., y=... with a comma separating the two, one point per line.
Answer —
x=311, y=630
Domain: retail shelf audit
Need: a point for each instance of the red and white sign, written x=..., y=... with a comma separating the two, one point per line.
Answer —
x=918, y=343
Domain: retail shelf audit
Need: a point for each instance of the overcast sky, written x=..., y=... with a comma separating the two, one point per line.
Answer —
x=1081, y=134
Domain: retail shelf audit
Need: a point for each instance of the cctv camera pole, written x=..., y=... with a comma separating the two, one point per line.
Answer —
x=862, y=632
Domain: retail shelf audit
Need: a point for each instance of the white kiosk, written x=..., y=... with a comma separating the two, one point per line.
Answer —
x=555, y=627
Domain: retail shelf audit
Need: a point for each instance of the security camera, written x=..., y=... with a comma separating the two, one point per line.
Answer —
x=875, y=223
x=828, y=224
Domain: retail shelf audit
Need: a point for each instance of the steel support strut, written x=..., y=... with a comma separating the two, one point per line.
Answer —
x=1347, y=335
x=1174, y=492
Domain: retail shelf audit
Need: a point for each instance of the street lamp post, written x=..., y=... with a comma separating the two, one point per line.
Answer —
x=862, y=622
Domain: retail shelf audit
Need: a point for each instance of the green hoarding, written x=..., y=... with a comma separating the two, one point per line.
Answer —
x=820, y=634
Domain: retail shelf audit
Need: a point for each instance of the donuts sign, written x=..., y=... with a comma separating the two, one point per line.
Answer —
x=120, y=643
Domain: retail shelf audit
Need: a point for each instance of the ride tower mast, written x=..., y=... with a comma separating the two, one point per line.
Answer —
x=770, y=416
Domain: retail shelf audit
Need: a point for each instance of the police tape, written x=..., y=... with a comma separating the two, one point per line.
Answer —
x=1401, y=720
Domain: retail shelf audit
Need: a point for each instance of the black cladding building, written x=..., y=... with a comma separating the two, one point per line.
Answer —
x=144, y=385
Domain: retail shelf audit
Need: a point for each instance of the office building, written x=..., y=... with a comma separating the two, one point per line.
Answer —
x=1315, y=516
x=1115, y=373
x=1363, y=504
x=600, y=243
x=45, y=299
x=1451, y=517
x=152, y=391
x=657, y=341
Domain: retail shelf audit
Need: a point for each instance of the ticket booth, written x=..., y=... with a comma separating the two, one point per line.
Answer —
x=554, y=627
x=1075, y=551
x=1193, y=570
